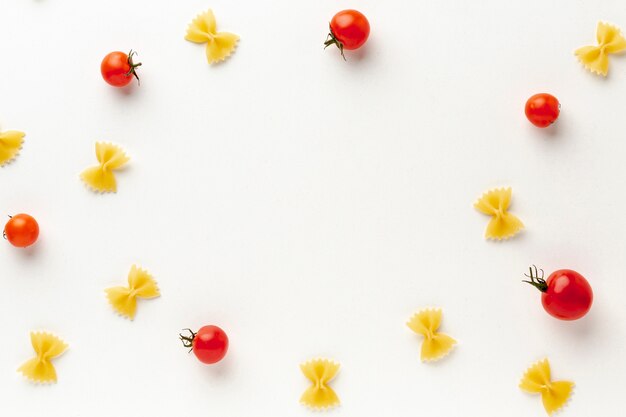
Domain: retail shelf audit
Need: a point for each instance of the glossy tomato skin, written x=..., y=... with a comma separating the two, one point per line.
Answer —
x=210, y=344
x=568, y=296
x=22, y=230
x=116, y=69
x=542, y=109
x=351, y=28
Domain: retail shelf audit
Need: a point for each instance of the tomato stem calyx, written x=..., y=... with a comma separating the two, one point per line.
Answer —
x=132, y=65
x=332, y=40
x=188, y=340
x=536, y=280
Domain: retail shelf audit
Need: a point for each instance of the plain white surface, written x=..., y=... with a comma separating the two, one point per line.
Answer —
x=309, y=205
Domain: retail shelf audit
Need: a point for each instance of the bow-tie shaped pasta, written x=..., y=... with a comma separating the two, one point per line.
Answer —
x=435, y=345
x=10, y=145
x=124, y=299
x=47, y=347
x=320, y=372
x=537, y=380
x=203, y=29
x=596, y=58
x=502, y=225
x=100, y=178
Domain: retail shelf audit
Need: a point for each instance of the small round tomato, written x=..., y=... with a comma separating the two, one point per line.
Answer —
x=566, y=294
x=349, y=29
x=209, y=344
x=21, y=230
x=118, y=68
x=542, y=109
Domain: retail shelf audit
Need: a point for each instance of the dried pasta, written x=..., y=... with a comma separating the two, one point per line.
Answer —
x=537, y=380
x=319, y=395
x=10, y=145
x=596, y=58
x=101, y=178
x=140, y=284
x=219, y=45
x=47, y=347
x=502, y=225
x=435, y=345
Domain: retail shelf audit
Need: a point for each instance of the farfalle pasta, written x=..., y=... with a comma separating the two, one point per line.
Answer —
x=101, y=178
x=219, y=45
x=495, y=203
x=10, y=145
x=140, y=284
x=319, y=395
x=435, y=345
x=596, y=58
x=47, y=347
x=554, y=394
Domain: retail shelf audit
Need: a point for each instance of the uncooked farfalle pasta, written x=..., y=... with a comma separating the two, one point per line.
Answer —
x=596, y=58
x=140, y=284
x=495, y=203
x=47, y=347
x=10, y=145
x=319, y=395
x=219, y=45
x=101, y=178
x=538, y=380
x=435, y=345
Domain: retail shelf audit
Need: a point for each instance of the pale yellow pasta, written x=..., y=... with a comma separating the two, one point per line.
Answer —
x=219, y=45
x=495, y=203
x=10, y=145
x=47, y=347
x=435, y=345
x=110, y=158
x=140, y=284
x=596, y=58
x=319, y=395
x=554, y=394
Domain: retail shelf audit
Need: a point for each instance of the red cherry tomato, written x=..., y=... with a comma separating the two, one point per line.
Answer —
x=542, y=109
x=566, y=294
x=118, y=68
x=209, y=344
x=349, y=29
x=21, y=230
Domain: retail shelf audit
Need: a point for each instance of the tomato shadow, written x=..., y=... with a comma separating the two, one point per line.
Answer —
x=127, y=90
x=358, y=55
x=577, y=331
x=220, y=370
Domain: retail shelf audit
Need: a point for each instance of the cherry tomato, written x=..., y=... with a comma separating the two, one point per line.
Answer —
x=118, y=68
x=542, y=109
x=21, y=230
x=209, y=344
x=566, y=294
x=349, y=29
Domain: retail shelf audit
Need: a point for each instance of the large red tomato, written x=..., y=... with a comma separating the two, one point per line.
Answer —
x=349, y=29
x=566, y=294
x=118, y=68
x=209, y=344
x=542, y=109
x=21, y=230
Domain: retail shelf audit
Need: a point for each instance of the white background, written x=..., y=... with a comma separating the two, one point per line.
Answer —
x=309, y=206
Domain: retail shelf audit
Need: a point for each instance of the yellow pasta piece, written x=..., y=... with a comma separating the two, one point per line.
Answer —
x=47, y=347
x=320, y=372
x=100, y=178
x=140, y=284
x=537, y=380
x=10, y=145
x=203, y=29
x=502, y=225
x=435, y=345
x=596, y=58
